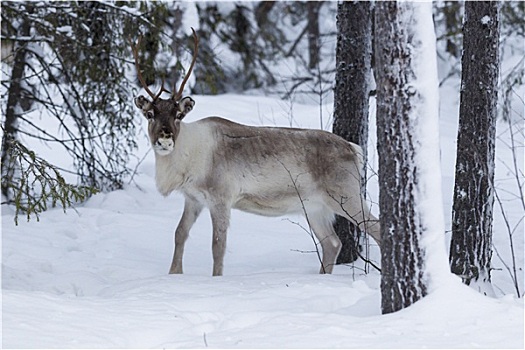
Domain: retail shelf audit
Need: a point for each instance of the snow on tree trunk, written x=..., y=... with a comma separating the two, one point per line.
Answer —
x=352, y=88
x=412, y=251
x=471, y=245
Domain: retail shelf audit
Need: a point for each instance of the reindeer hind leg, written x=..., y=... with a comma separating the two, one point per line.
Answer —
x=321, y=224
x=355, y=209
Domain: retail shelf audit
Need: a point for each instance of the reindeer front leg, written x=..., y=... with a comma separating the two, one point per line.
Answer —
x=220, y=218
x=192, y=209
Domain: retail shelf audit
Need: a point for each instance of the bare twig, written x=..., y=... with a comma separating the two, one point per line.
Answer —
x=205, y=340
x=137, y=166
x=366, y=260
x=513, y=273
x=294, y=182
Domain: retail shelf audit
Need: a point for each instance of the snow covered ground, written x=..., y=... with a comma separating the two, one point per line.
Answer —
x=96, y=276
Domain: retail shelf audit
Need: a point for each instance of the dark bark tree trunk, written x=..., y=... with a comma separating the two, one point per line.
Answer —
x=313, y=33
x=352, y=88
x=470, y=248
x=408, y=149
x=452, y=13
x=15, y=98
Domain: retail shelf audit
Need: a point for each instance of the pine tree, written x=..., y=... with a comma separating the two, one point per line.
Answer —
x=407, y=117
x=471, y=245
x=351, y=94
x=69, y=63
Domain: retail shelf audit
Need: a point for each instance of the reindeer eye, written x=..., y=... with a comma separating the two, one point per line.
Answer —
x=149, y=114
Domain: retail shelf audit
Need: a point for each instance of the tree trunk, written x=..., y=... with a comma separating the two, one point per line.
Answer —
x=470, y=248
x=408, y=149
x=14, y=99
x=351, y=94
x=313, y=33
x=452, y=13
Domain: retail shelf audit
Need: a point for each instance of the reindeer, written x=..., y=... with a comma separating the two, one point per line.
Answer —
x=269, y=171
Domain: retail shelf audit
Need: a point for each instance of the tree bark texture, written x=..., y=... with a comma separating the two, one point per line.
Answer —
x=402, y=258
x=470, y=249
x=351, y=95
x=14, y=99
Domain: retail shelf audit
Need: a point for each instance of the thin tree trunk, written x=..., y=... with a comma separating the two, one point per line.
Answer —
x=471, y=245
x=313, y=33
x=14, y=99
x=353, y=67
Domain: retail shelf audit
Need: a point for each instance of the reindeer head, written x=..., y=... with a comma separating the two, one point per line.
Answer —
x=164, y=115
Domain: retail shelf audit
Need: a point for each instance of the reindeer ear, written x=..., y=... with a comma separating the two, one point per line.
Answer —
x=141, y=102
x=185, y=107
x=145, y=106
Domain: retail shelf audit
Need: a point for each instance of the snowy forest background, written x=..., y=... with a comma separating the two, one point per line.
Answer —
x=76, y=139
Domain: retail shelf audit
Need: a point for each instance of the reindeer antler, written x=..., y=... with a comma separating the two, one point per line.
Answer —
x=134, y=49
x=178, y=95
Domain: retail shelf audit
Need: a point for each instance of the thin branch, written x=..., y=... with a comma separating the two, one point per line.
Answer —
x=513, y=274
x=294, y=182
x=138, y=164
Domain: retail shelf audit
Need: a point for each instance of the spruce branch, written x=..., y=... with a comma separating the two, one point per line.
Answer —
x=37, y=184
